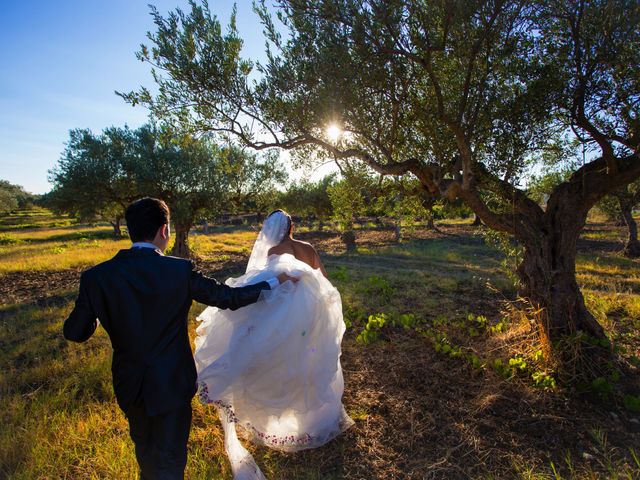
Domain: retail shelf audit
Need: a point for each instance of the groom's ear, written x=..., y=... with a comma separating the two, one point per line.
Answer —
x=162, y=234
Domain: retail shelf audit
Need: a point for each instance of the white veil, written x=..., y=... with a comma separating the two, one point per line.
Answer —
x=274, y=229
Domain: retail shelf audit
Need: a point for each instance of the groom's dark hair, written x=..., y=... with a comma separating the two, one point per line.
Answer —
x=144, y=217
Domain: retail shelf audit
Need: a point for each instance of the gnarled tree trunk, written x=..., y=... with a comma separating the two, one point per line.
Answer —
x=632, y=247
x=348, y=237
x=548, y=269
x=548, y=280
x=398, y=230
x=181, y=244
x=117, y=231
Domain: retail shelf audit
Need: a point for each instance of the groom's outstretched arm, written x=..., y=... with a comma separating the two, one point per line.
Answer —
x=211, y=292
x=82, y=321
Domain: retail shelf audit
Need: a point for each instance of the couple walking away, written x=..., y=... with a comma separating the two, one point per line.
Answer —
x=267, y=349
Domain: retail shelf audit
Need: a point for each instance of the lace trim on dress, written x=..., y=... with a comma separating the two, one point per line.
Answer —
x=277, y=442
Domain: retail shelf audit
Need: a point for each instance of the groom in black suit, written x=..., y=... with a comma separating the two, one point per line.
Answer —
x=142, y=299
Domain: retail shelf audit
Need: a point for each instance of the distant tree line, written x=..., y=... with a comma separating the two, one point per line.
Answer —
x=98, y=175
x=13, y=197
x=361, y=193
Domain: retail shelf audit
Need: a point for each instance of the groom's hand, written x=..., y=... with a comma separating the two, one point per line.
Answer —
x=283, y=277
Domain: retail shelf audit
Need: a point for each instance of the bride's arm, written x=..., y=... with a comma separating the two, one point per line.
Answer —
x=319, y=265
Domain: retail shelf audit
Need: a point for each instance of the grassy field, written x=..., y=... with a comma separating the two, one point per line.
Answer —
x=443, y=374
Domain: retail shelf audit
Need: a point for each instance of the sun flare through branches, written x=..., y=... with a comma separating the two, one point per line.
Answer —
x=334, y=132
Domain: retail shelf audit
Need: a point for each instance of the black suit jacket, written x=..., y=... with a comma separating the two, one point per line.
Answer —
x=142, y=300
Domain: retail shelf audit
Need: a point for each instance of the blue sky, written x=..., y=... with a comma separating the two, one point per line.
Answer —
x=61, y=62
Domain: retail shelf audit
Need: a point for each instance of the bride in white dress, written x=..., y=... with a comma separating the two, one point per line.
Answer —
x=274, y=367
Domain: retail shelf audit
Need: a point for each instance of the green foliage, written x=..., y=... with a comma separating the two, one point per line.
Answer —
x=340, y=274
x=8, y=202
x=610, y=206
x=543, y=380
x=308, y=198
x=626, y=198
x=632, y=403
x=195, y=176
x=451, y=209
x=352, y=315
x=408, y=321
x=541, y=186
x=371, y=331
x=602, y=386
x=404, y=200
x=518, y=363
x=94, y=177
x=379, y=287
x=349, y=197
x=511, y=250
x=530, y=367
x=475, y=361
x=8, y=239
x=501, y=369
x=378, y=321
x=13, y=197
x=249, y=180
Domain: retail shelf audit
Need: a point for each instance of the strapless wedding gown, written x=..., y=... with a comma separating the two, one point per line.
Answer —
x=273, y=367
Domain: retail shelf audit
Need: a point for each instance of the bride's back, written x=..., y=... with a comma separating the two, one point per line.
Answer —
x=303, y=251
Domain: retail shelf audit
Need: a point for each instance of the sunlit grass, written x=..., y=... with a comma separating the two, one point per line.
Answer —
x=611, y=235
x=58, y=255
x=57, y=408
x=571, y=469
x=34, y=218
x=215, y=244
x=454, y=221
x=78, y=247
x=608, y=272
x=72, y=232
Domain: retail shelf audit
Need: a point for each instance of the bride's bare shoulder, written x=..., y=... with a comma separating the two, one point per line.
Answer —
x=302, y=244
x=280, y=249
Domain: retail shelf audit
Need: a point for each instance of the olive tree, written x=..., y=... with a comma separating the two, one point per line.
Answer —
x=404, y=200
x=8, y=201
x=250, y=180
x=309, y=198
x=94, y=177
x=185, y=172
x=462, y=95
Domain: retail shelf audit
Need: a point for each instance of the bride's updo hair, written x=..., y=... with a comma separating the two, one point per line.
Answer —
x=289, y=221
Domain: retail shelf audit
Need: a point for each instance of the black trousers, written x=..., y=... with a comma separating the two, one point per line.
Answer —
x=160, y=441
